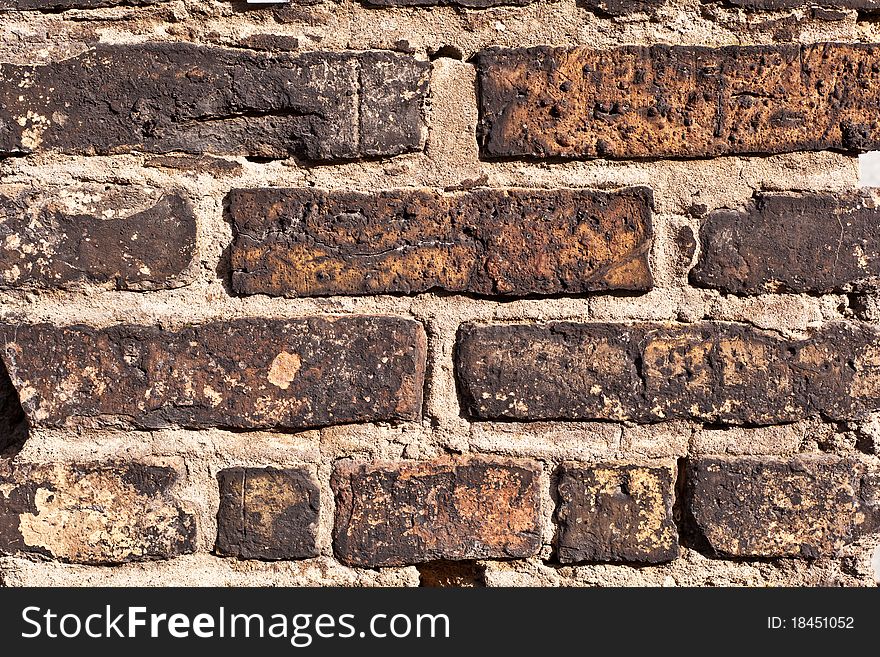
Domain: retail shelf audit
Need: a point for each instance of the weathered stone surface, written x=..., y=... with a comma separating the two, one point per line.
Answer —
x=156, y=98
x=774, y=5
x=616, y=513
x=769, y=507
x=55, y=5
x=93, y=513
x=622, y=7
x=712, y=372
x=55, y=237
x=782, y=243
x=472, y=4
x=266, y=513
x=245, y=373
x=303, y=242
x=401, y=513
x=678, y=101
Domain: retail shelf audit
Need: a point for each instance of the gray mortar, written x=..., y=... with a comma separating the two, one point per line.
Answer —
x=450, y=158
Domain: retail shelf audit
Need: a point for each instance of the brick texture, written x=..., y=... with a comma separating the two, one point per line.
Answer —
x=780, y=243
x=304, y=242
x=616, y=512
x=165, y=97
x=712, y=372
x=93, y=513
x=54, y=5
x=770, y=507
x=242, y=374
x=45, y=244
x=266, y=513
x=676, y=101
x=404, y=513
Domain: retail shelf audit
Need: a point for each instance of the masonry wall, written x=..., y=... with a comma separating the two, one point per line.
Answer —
x=401, y=292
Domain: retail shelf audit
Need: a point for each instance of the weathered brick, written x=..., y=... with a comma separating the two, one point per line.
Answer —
x=157, y=98
x=712, y=372
x=411, y=512
x=246, y=373
x=770, y=507
x=678, y=101
x=471, y=4
x=783, y=243
x=775, y=5
x=55, y=237
x=616, y=512
x=303, y=242
x=93, y=513
x=622, y=7
x=266, y=513
x=55, y=5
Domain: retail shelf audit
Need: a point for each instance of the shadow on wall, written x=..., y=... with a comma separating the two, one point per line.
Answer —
x=869, y=169
x=13, y=423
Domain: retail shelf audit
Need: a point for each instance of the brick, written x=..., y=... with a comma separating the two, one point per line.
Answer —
x=390, y=514
x=243, y=374
x=158, y=98
x=612, y=512
x=780, y=243
x=266, y=513
x=305, y=242
x=775, y=5
x=677, y=101
x=622, y=7
x=55, y=5
x=49, y=239
x=93, y=513
x=806, y=506
x=710, y=372
x=470, y=4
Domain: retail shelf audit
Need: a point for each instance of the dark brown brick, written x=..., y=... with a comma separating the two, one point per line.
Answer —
x=93, y=513
x=391, y=514
x=783, y=243
x=616, y=513
x=50, y=237
x=55, y=5
x=678, y=101
x=775, y=5
x=304, y=242
x=806, y=506
x=267, y=513
x=621, y=7
x=246, y=373
x=471, y=4
x=711, y=372
x=157, y=98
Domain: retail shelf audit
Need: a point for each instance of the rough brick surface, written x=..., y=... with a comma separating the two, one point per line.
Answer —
x=678, y=101
x=165, y=97
x=411, y=512
x=474, y=4
x=266, y=513
x=775, y=5
x=622, y=7
x=782, y=243
x=94, y=514
x=713, y=372
x=616, y=513
x=806, y=506
x=303, y=242
x=248, y=373
x=46, y=243
x=54, y=5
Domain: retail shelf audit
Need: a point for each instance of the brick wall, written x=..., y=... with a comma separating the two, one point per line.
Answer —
x=461, y=292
